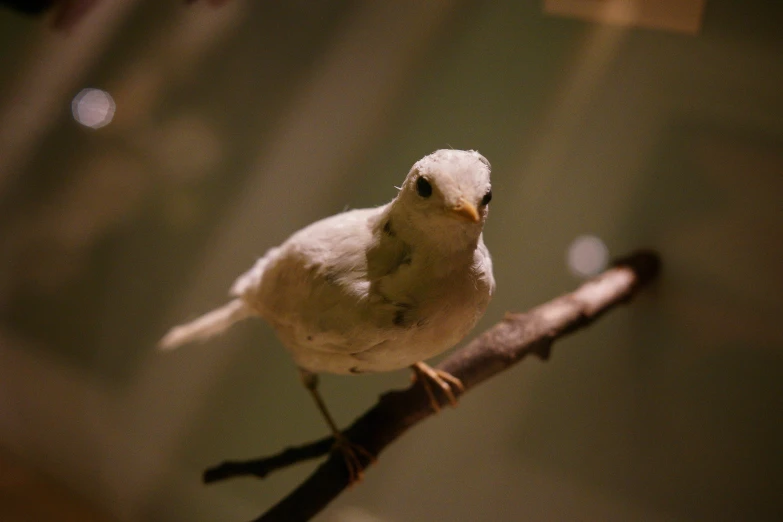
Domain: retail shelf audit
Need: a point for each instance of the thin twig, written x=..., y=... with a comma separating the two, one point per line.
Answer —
x=263, y=466
x=503, y=345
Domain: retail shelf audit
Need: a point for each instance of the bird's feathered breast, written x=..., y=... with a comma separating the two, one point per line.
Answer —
x=350, y=284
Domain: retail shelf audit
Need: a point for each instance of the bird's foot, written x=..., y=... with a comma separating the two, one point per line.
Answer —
x=444, y=380
x=351, y=455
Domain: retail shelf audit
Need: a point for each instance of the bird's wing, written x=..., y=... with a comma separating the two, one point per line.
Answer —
x=482, y=267
x=318, y=288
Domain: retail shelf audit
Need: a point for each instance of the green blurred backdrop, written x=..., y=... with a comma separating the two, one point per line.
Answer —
x=236, y=125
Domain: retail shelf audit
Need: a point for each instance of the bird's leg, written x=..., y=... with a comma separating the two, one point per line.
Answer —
x=348, y=449
x=444, y=380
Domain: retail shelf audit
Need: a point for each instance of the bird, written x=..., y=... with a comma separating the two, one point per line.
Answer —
x=375, y=289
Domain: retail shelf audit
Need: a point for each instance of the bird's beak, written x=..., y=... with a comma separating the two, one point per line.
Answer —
x=467, y=210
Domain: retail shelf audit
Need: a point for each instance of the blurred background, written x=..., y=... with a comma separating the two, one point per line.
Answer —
x=150, y=151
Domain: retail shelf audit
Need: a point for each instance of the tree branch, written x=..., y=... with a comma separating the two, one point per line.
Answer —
x=503, y=345
x=263, y=466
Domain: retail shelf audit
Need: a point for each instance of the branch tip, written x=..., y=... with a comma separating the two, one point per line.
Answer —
x=645, y=263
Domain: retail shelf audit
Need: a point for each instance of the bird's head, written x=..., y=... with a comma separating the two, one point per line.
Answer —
x=444, y=199
x=448, y=189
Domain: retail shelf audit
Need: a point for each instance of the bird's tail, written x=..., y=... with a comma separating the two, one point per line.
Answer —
x=209, y=324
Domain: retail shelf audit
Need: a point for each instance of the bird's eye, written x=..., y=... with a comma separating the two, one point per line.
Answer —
x=486, y=199
x=423, y=187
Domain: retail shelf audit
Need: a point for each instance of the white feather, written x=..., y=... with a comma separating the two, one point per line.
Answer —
x=206, y=326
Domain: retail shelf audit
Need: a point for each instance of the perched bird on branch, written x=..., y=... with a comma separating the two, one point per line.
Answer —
x=377, y=289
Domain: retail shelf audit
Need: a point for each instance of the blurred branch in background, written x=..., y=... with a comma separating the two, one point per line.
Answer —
x=495, y=350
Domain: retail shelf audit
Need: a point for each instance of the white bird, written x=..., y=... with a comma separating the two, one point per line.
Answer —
x=376, y=289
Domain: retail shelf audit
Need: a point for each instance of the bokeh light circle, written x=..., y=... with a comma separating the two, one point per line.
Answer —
x=93, y=108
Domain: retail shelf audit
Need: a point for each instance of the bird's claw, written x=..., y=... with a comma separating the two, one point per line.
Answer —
x=444, y=380
x=350, y=453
